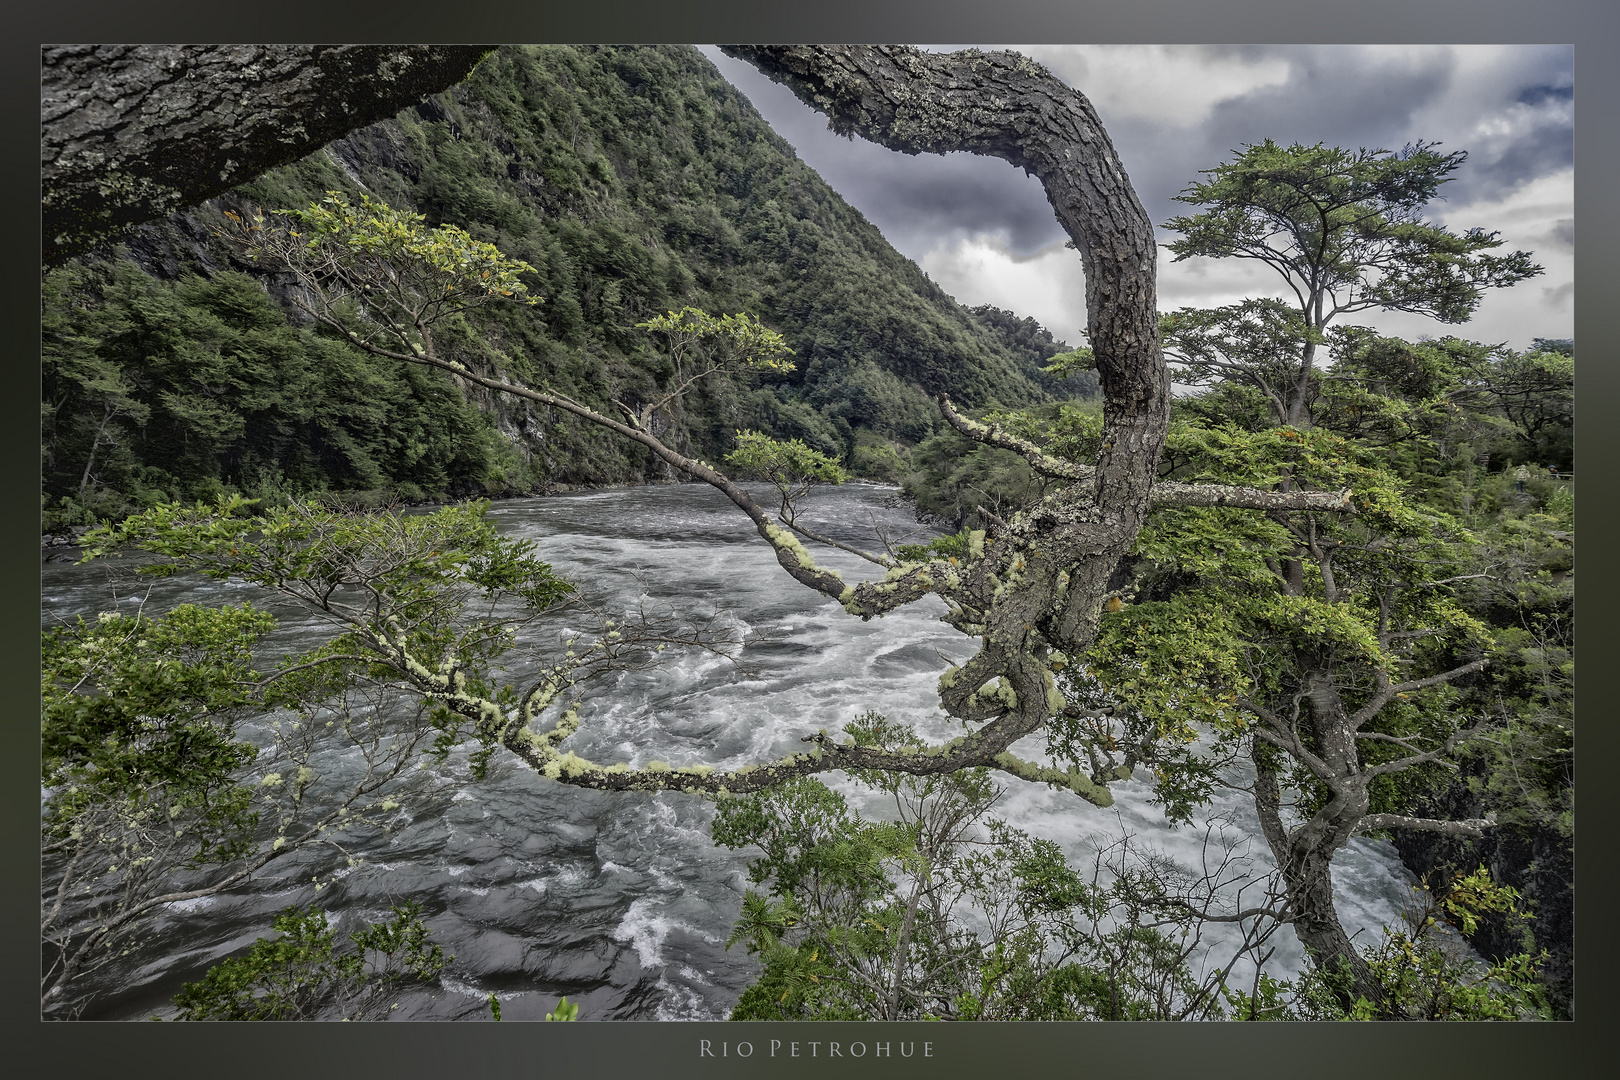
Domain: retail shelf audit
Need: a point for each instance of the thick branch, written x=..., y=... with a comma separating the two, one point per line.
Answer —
x=1169, y=493
x=135, y=132
x=810, y=534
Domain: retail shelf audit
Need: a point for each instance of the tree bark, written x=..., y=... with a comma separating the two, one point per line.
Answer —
x=1005, y=105
x=1304, y=856
x=130, y=133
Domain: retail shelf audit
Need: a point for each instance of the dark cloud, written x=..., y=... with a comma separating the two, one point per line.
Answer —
x=1537, y=95
x=1334, y=96
x=1489, y=176
x=1330, y=97
x=1562, y=234
x=1359, y=98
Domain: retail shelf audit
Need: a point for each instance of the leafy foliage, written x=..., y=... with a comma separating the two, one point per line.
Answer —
x=155, y=793
x=1420, y=970
x=158, y=391
x=137, y=722
x=302, y=975
x=565, y=1010
x=1345, y=228
x=371, y=257
x=438, y=588
x=941, y=913
x=790, y=466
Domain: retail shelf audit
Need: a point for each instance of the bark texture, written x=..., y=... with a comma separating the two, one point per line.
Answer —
x=131, y=133
x=1004, y=105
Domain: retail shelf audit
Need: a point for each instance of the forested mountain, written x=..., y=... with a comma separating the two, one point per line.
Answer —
x=634, y=180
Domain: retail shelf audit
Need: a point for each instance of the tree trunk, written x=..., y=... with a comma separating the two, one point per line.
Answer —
x=1005, y=105
x=1299, y=411
x=130, y=133
x=1304, y=853
x=1309, y=879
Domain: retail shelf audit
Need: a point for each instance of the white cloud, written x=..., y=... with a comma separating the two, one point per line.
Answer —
x=1538, y=218
x=1164, y=85
x=1526, y=217
x=1046, y=286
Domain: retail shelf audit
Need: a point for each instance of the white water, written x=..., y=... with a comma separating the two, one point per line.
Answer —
x=621, y=901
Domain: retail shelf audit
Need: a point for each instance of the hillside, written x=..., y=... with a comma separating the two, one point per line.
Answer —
x=634, y=180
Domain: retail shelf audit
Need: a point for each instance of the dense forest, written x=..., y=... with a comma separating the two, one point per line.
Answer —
x=634, y=181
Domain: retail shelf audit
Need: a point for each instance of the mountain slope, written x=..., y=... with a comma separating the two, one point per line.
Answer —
x=634, y=180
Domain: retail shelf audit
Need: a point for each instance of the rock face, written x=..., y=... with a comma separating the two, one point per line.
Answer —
x=1538, y=862
x=131, y=133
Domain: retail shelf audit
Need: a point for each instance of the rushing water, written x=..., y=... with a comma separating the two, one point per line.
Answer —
x=621, y=901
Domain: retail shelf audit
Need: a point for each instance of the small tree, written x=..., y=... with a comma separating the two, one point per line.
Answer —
x=144, y=774
x=154, y=794
x=1345, y=231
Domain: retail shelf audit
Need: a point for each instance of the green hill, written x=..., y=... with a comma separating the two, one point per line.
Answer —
x=634, y=180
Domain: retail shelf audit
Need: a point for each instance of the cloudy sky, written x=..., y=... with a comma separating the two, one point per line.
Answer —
x=984, y=232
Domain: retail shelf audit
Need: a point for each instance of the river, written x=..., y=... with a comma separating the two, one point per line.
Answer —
x=621, y=901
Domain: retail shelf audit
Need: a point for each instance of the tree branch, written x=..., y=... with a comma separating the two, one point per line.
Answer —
x=992, y=435
x=1164, y=492
x=135, y=132
x=1474, y=828
x=1387, y=691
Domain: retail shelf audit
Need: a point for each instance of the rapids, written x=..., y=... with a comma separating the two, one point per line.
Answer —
x=622, y=902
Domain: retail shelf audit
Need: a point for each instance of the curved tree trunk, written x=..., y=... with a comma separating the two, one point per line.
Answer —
x=130, y=133
x=1005, y=105
x=1039, y=583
